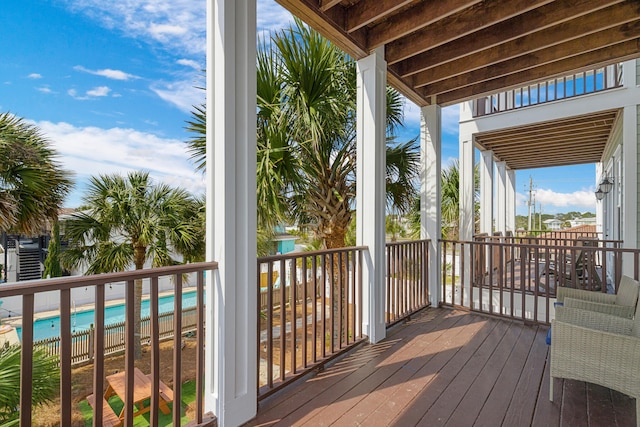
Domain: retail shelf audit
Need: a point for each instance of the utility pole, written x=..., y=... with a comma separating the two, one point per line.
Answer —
x=529, y=202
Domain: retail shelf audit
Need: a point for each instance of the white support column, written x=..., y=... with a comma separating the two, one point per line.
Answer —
x=501, y=193
x=486, y=192
x=467, y=190
x=231, y=348
x=630, y=140
x=511, y=201
x=370, y=187
x=430, y=190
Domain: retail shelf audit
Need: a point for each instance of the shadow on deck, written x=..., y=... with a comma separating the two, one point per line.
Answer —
x=447, y=367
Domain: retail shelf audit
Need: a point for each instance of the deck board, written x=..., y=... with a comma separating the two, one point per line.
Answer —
x=446, y=367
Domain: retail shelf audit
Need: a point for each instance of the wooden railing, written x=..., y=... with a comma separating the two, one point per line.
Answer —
x=63, y=286
x=583, y=83
x=407, y=285
x=504, y=277
x=310, y=311
x=311, y=305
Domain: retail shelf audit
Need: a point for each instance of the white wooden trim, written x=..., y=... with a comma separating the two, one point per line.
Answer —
x=430, y=190
x=370, y=187
x=231, y=346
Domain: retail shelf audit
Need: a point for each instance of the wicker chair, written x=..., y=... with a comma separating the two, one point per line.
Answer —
x=597, y=348
x=622, y=304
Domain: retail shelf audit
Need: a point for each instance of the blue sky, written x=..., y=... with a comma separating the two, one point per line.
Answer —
x=111, y=84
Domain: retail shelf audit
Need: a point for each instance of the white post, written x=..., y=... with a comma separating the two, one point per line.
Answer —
x=231, y=348
x=501, y=192
x=467, y=190
x=630, y=140
x=511, y=201
x=370, y=186
x=486, y=192
x=430, y=190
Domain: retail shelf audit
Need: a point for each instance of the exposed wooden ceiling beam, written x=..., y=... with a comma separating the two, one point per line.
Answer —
x=413, y=19
x=365, y=12
x=534, y=21
x=561, y=34
x=559, y=52
x=548, y=131
x=481, y=15
x=328, y=4
x=558, y=138
x=551, y=162
x=600, y=57
x=327, y=24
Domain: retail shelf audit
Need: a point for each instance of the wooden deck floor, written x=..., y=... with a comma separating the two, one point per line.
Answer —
x=447, y=368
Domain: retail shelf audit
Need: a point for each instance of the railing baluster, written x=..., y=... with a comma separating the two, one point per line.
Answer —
x=177, y=349
x=65, y=357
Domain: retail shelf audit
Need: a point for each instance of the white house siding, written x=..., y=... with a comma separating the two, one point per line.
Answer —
x=638, y=154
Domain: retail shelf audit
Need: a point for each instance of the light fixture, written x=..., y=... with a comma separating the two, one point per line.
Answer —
x=599, y=194
x=606, y=184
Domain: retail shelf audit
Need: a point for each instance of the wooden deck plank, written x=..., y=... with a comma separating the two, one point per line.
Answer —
x=599, y=405
x=447, y=367
x=384, y=370
x=429, y=383
x=370, y=402
x=624, y=409
x=503, y=336
x=352, y=369
x=475, y=397
x=574, y=404
x=521, y=411
x=547, y=413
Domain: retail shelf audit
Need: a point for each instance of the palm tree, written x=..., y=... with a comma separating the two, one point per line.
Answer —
x=45, y=384
x=129, y=222
x=32, y=184
x=306, y=154
x=449, y=203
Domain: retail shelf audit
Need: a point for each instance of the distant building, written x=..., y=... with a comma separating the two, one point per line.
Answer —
x=583, y=221
x=553, y=224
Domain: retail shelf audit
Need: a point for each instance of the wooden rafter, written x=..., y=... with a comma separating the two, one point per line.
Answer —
x=537, y=22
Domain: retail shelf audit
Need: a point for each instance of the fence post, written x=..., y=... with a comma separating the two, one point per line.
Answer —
x=91, y=341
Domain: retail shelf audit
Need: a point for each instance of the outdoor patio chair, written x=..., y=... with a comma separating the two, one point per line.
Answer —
x=622, y=304
x=578, y=266
x=597, y=348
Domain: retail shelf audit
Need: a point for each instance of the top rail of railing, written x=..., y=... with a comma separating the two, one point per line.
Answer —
x=69, y=282
x=548, y=90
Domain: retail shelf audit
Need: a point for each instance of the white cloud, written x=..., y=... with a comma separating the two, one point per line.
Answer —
x=34, y=76
x=44, y=89
x=271, y=16
x=108, y=73
x=90, y=151
x=179, y=25
x=182, y=94
x=189, y=63
x=99, y=91
x=553, y=201
x=159, y=31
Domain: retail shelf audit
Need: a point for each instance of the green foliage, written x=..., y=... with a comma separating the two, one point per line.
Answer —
x=306, y=136
x=131, y=220
x=32, y=183
x=44, y=386
x=52, y=267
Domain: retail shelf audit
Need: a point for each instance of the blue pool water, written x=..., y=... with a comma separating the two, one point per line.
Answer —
x=82, y=320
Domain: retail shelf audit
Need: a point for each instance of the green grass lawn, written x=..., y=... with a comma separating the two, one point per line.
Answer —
x=188, y=397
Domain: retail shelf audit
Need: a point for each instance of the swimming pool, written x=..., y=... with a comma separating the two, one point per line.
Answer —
x=81, y=320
